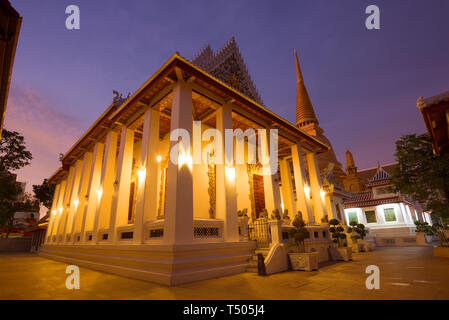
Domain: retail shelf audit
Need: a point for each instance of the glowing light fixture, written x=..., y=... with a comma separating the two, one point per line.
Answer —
x=159, y=158
x=99, y=193
x=230, y=173
x=185, y=159
x=76, y=202
x=307, y=191
x=322, y=194
x=141, y=173
x=60, y=209
x=54, y=212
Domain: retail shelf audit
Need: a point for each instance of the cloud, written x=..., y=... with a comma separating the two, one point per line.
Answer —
x=47, y=132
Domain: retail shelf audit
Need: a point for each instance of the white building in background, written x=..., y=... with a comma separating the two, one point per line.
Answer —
x=384, y=212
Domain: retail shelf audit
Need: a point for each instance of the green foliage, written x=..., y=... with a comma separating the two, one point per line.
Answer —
x=243, y=212
x=422, y=175
x=357, y=230
x=44, y=193
x=13, y=153
x=13, y=156
x=9, y=188
x=337, y=232
x=275, y=215
x=299, y=232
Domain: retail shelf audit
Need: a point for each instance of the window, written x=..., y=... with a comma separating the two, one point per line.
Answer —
x=352, y=216
x=384, y=190
x=370, y=216
x=389, y=215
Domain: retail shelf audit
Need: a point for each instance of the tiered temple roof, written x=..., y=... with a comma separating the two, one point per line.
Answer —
x=228, y=66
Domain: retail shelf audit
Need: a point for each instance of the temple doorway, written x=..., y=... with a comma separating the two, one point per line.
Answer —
x=259, y=194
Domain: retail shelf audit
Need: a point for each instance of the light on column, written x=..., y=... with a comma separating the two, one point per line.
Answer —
x=230, y=173
x=322, y=194
x=185, y=159
x=307, y=191
x=159, y=158
x=76, y=202
x=60, y=209
x=54, y=212
x=141, y=173
x=99, y=193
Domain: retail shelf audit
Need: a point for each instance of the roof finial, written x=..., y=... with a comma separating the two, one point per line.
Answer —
x=304, y=109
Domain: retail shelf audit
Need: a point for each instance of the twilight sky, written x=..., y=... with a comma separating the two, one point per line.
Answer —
x=363, y=84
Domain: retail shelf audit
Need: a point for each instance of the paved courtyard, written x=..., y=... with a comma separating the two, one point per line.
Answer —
x=405, y=273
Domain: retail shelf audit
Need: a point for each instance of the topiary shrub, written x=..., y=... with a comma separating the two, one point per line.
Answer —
x=337, y=231
x=299, y=233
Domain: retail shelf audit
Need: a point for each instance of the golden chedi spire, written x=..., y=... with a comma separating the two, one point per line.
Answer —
x=350, y=164
x=304, y=109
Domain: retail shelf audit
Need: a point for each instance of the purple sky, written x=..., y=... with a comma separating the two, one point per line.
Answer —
x=363, y=84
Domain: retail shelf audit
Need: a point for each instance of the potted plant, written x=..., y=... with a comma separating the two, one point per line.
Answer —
x=275, y=215
x=425, y=232
x=357, y=232
x=285, y=217
x=341, y=251
x=299, y=258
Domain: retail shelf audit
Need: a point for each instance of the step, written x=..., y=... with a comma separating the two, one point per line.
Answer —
x=252, y=269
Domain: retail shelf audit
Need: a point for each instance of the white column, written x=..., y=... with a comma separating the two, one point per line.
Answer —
x=178, y=224
x=287, y=188
x=81, y=193
x=71, y=209
x=409, y=214
x=120, y=197
x=59, y=208
x=303, y=200
x=53, y=211
x=147, y=195
x=226, y=196
x=270, y=183
x=103, y=209
x=65, y=204
x=316, y=187
x=92, y=188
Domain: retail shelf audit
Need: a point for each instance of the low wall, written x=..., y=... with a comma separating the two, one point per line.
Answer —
x=22, y=244
x=160, y=263
x=441, y=252
x=410, y=241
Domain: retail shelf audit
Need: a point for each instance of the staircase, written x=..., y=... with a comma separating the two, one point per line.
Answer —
x=252, y=262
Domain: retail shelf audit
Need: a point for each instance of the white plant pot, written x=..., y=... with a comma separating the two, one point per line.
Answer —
x=357, y=247
x=341, y=254
x=306, y=261
x=366, y=246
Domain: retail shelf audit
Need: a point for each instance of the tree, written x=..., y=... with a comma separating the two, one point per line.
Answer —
x=13, y=153
x=13, y=156
x=44, y=193
x=422, y=175
x=299, y=232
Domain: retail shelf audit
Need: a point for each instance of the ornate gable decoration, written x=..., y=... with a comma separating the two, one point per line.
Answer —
x=227, y=65
x=381, y=174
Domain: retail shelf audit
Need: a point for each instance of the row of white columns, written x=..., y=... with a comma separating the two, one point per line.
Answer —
x=93, y=200
x=309, y=196
x=89, y=201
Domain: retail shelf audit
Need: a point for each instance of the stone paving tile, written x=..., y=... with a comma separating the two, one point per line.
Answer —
x=405, y=273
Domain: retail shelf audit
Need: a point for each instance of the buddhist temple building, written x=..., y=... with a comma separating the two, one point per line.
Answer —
x=388, y=215
x=10, y=22
x=132, y=199
x=435, y=112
